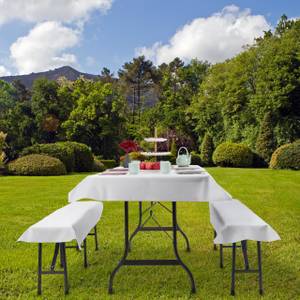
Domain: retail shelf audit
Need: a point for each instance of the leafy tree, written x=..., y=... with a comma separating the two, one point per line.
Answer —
x=206, y=150
x=265, y=144
x=98, y=117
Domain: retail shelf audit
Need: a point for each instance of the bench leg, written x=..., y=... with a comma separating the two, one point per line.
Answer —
x=96, y=238
x=64, y=263
x=245, y=254
x=233, y=269
x=215, y=246
x=39, y=291
x=259, y=268
x=221, y=256
x=53, y=263
x=85, y=253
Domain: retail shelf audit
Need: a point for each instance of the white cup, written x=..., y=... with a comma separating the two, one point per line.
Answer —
x=165, y=167
x=134, y=167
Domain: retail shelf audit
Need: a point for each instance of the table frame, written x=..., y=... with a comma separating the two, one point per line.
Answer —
x=151, y=262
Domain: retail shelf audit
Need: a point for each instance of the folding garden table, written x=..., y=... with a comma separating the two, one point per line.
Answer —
x=156, y=188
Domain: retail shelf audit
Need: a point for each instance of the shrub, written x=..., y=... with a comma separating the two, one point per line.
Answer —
x=286, y=157
x=206, y=150
x=195, y=159
x=233, y=155
x=83, y=156
x=109, y=163
x=136, y=156
x=265, y=143
x=36, y=165
x=98, y=166
x=60, y=151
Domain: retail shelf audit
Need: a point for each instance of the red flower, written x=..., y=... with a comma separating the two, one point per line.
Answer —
x=129, y=146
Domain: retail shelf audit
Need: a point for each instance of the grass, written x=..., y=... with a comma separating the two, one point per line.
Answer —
x=274, y=195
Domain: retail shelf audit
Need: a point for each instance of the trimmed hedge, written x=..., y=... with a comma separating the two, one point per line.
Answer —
x=206, y=150
x=286, y=157
x=195, y=159
x=98, y=166
x=36, y=165
x=60, y=151
x=83, y=156
x=233, y=155
x=109, y=163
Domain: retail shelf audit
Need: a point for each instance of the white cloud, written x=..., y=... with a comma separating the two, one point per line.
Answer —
x=44, y=48
x=214, y=38
x=50, y=10
x=4, y=71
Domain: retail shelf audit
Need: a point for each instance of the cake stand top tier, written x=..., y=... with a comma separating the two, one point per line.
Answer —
x=155, y=140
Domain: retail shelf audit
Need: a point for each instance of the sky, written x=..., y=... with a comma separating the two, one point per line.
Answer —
x=38, y=35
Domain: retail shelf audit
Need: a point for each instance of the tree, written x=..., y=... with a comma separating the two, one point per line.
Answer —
x=98, y=117
x=206, y=150
x=265, y=144
x=137, y=77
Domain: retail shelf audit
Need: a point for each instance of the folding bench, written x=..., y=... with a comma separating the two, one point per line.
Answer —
x=234, y=222
x=71, y=222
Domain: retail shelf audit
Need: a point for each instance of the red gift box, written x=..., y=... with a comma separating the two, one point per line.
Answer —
x=150, y=165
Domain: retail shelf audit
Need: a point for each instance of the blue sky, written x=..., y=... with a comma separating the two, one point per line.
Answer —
x=109, y=33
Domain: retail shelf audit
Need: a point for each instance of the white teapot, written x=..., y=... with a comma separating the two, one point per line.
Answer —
x=183, y=160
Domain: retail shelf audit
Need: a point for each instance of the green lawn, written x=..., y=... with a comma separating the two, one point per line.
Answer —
x=273, y=195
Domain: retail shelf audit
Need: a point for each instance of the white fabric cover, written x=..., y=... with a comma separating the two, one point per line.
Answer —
x=234, y=222
x=71, y=222
x=149, y=186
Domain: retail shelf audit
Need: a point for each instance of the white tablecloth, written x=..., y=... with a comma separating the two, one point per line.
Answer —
x=149, y=186
x=71, y=222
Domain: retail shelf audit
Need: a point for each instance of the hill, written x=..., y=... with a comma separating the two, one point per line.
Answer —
x=66, y=71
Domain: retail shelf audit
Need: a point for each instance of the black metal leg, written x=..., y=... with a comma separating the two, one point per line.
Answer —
x=215, y=246
x=85, y=253
x=233, y=269
x=39, y=269
x=188, y=248
x=53, y=263
x=126, y=241
x=64, y=263
x=259, y=268
x=138, y=226
x=96, y=238
x=245, y=254
x=221, y=256
x=174, y=224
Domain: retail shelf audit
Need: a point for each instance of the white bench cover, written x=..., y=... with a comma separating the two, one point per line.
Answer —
x=234, y=222
x=71, y=222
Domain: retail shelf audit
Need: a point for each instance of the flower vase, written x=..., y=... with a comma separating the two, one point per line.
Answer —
x=126, y=160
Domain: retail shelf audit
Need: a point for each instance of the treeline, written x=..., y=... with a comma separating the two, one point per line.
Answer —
x=253, y=98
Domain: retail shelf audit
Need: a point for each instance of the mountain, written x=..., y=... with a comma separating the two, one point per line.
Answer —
x=66, y=71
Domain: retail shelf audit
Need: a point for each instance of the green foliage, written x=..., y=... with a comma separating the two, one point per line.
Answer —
x=265, y=143
x=98, y=117
x=173, y=149
x=109, y=163
x=206, y=150
x=83, y=156
x=36, y=165
x=61, y=151
x=136, y=156
x=286, y=157
x=98, y=166
x=196, y=159
x=233, y=155
x=2, y=144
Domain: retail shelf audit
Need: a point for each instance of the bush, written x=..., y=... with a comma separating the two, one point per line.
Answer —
x=83, y=156
x=195, y=159
x=61, y=151
x=286, y=157
x=233, y=155
x=98, y=166
x=206, y=150
x=36, y=165
x=109, y=163
x=136, y=156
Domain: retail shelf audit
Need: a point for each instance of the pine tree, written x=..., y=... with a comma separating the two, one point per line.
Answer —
x=265, y=143
x=206, y=150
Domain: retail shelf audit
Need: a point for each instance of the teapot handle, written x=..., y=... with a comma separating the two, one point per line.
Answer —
x=186, y=150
